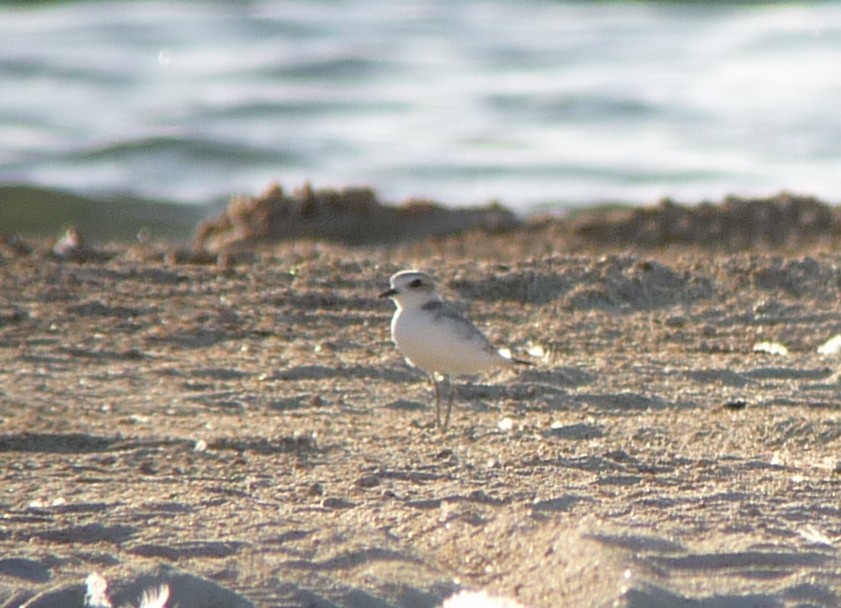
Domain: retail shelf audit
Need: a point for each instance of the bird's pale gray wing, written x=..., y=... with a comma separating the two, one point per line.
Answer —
x=461, y=325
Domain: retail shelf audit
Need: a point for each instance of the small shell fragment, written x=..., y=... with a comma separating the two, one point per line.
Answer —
x=831, y=346
x=771, y=348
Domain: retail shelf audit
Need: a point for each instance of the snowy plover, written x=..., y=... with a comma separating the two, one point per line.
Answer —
x=435, y=337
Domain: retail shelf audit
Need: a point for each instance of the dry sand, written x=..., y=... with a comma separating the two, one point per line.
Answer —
x=250, y=436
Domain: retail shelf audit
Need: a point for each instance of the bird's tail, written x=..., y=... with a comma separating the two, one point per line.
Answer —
x=511, y=359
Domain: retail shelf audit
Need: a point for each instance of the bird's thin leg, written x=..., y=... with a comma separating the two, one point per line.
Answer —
x=449, y=406
x=434, y=381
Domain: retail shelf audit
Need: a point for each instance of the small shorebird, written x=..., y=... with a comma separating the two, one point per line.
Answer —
x=437, y=338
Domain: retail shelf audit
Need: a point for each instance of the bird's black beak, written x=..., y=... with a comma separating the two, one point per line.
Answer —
x=388, y=293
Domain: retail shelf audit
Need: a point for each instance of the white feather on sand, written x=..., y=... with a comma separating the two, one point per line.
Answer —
x=478, y=599
x=96, y=595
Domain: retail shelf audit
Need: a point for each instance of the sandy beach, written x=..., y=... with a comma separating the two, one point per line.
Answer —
x=246, y=433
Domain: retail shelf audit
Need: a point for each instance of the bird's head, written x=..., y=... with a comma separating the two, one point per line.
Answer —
x=411, y=288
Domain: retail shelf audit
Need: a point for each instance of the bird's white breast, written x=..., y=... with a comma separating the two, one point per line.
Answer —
x=442, y=344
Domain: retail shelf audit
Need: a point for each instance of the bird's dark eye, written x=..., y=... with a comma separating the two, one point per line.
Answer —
x=415, y=283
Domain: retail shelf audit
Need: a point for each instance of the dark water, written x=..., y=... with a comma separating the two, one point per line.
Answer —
x=531, y=103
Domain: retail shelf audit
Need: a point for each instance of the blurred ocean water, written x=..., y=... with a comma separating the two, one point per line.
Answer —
x=533, y=103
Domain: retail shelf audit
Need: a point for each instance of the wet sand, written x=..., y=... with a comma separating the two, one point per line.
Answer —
x=247, y=434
